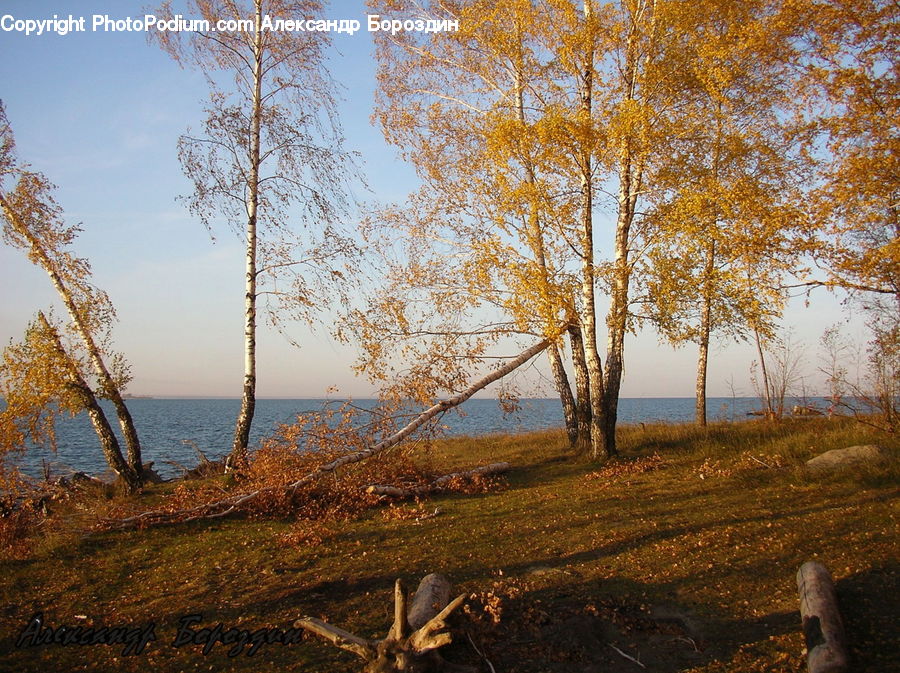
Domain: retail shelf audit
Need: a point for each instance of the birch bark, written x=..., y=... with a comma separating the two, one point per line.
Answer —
x=588, y=326
x=248, y=398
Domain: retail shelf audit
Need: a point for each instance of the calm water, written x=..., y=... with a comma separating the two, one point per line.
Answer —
x=165, y=425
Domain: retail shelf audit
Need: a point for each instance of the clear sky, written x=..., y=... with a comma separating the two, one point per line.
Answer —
x=100, y=114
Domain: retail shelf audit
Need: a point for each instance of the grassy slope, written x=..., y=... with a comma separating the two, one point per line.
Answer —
x=685, y=562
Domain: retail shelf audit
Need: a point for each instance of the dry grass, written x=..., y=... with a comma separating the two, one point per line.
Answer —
x=680, y=554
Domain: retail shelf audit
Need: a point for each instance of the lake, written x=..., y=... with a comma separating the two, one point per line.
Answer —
x=168, y=426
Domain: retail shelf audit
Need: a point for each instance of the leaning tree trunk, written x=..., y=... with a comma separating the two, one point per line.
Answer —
x=414, y=638
x=109, y=444
x=107, y=383
x=535, y=237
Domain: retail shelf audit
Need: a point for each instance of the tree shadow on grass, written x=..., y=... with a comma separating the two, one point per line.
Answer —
x=869, y=608
x=611, y=627
x=599, y=626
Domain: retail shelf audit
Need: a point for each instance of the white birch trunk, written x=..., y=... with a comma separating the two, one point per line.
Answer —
x=630, y=176
x=702, y=360
x=561, y=379
x=708, y=287
x=616, y=319
x=536, y=244
x=588, y=271
x=248, y=397
x=582, y=389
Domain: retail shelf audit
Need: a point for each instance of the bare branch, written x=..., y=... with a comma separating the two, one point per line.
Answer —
x=343, y=639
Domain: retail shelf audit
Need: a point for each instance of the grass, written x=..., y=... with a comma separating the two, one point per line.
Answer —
x=681, y=554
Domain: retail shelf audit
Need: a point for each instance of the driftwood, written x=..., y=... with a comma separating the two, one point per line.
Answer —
x=226, y=506
x=438, y=484
x=417, y=632
x=822, y=626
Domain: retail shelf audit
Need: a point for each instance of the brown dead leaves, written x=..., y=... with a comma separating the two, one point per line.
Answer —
x=621, y=469
x=306, y=534
x=747, y=461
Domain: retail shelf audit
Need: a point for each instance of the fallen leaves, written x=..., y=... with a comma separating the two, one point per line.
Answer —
x=617, y=470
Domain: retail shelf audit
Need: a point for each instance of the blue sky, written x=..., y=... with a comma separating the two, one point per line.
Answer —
x=100, y=115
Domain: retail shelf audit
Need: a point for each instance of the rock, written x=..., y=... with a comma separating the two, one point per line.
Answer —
x=540, y=570
x=849, y=456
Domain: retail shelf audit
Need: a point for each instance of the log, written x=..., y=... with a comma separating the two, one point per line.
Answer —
x=438, y=484
x=431, y=596
x=414, y=637
x=822, y=627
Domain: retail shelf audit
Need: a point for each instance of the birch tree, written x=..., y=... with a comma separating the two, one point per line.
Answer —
x=33, y=222
x=465, y=109
x=589, y=81
x=854, y=92
x=270, y=163
x=607, y=66
x=853, y=76
x=610, y=64
x=728, y=197
x=627, y=106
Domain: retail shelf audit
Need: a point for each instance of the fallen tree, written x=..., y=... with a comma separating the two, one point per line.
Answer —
x=225, y=506
x=438, y=484
x=415, y=636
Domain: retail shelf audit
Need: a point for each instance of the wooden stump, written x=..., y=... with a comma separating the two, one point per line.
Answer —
x=414, y=638
x=822, y=627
